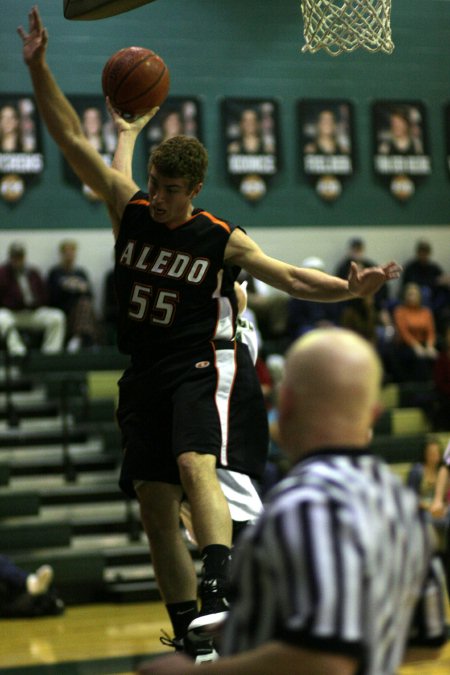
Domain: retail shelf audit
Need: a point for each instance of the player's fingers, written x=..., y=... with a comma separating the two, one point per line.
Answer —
x=36, y=18
x=353, y=271
x=146, y=117
x=392, y=269
x=22, y=33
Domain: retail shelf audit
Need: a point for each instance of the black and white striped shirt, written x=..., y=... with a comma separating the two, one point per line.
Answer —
x=341, y=560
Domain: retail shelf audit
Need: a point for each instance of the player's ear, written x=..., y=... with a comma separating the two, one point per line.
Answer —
x=196, y=190
x=377, y=411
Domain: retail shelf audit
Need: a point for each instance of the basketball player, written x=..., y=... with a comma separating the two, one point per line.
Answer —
x=190, y=400
x=243, y=499
x=339, y=573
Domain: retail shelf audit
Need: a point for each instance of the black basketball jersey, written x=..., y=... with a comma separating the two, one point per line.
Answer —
x=173, y=289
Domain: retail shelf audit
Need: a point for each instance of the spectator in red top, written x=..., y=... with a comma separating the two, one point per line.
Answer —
x=23, y=305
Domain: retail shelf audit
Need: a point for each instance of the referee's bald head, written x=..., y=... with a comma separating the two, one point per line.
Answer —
x=329, y=395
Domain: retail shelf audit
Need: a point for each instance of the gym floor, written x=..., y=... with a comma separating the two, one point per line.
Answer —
x=107, y=639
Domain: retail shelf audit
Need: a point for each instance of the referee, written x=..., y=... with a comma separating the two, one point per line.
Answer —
x=339, y=574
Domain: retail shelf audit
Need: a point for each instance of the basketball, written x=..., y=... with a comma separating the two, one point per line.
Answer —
x=135, y=79
x=88, y=10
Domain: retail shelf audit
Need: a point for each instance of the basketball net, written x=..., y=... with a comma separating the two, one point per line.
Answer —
x=344, y=25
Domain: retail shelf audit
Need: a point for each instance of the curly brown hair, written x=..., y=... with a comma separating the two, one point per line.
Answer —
x=181, y=157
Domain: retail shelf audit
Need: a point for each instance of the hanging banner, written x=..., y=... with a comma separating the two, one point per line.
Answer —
x=178, y=116
x=327, y=148
x=99, y=130
x=21, y=157
x=250, y=134
x=401, y=157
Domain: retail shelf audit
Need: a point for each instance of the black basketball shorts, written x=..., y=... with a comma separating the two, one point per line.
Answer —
x=207, y=400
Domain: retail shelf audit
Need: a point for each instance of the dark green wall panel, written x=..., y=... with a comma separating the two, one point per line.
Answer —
x=221, y=48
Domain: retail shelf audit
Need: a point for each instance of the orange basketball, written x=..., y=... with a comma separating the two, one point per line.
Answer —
x=135, y=79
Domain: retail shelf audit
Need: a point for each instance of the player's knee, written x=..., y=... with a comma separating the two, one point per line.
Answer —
x=195, y=468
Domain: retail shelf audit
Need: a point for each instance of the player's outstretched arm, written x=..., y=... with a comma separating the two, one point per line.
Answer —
x=63, y=122
x=305, y=283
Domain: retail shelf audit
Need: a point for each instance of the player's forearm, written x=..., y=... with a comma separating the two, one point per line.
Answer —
x=319, y=286
x=58, y=114
x=123, y=156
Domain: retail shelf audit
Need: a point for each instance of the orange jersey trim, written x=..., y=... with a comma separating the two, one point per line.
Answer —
x=141, y=202
x=214, y=220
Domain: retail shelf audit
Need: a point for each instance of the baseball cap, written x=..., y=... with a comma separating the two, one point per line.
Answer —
x=314, y=262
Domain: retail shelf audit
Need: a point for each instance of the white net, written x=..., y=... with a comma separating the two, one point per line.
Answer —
x=344, y=25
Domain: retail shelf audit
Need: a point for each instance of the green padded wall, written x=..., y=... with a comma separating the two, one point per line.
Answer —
x=233, y=48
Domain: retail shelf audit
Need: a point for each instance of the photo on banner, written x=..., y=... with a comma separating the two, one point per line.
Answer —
x=251, y=145
x=401, y=154
x=99, y=130
x=178, y=115
x=326, y=144
x=21, y=156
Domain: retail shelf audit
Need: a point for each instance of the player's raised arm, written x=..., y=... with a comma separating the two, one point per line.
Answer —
x=63, y=122
x=127, y=133
x=305, y=283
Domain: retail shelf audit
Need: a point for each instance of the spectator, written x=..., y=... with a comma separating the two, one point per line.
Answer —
x=439, y=504
x=356, y=253
x=433, y=282
x=422, y=478
x=24, y=305
x=303, y=316
x=71, y=291
x=339, y=574
x=27, y=595
x=270, y=309
x=362, y=316
x=415, y=348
